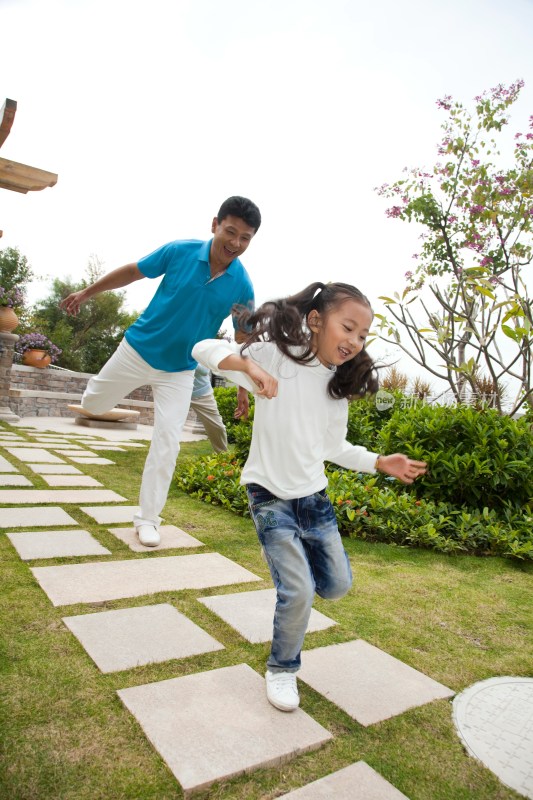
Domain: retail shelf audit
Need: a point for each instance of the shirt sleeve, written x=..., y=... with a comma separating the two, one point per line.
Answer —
x=340, y=451
x=210, y=352
x=155, y=264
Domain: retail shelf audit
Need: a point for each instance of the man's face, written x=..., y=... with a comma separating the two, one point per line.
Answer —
x=231, y=237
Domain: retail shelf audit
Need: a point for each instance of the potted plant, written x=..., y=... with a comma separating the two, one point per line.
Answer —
x=37, y=350
x=10, y=299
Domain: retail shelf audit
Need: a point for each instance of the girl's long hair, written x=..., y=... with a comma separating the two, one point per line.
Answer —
x=284, y=322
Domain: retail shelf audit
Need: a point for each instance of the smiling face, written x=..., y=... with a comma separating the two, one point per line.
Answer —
x=231, y=237
x=339, y=334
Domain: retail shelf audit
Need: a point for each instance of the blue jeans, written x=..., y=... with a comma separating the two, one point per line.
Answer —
x=304, y=552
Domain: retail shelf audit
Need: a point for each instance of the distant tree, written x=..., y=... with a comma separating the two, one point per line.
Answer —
x=88, y=339
x=467, y=304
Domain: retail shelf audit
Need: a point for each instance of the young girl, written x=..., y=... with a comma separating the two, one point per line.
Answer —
x=305, y=355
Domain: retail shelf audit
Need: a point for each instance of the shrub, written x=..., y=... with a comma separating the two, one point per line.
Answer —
x=227, y=403
x=476, y=458
x=366, y=507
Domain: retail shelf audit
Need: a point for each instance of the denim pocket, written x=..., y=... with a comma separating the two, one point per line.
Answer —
x=259, y=496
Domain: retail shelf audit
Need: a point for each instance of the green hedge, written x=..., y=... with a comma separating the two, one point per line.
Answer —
x=476, y=498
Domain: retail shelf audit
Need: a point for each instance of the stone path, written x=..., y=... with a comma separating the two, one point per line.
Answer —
x=207, y=726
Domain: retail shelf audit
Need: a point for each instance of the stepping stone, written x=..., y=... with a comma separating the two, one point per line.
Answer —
x=105, y=515
x=170, y=537
x=6, y=466
x=71, y=480
x=494, y=719
x=108, y=447
x=99, y=461
x=56, y=544
x=88, y=583
x=75, y=451
x=35, y=517
x=252, y=613
x=132, y=637
x=14, y=480
x=55, y=469
x=356, y=782
x=211, y=726
x=59, y=496
x=28, y=445
x=35, y=456
x=367, y=683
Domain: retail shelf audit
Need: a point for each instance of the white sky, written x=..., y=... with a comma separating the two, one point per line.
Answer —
x=152, y=113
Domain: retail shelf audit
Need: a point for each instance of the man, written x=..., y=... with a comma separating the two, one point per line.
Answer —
x=204, y=405
x=201, y=283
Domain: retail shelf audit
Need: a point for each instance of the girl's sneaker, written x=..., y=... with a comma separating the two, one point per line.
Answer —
x=282, y=691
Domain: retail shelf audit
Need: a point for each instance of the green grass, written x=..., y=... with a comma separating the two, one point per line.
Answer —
x=66, y=735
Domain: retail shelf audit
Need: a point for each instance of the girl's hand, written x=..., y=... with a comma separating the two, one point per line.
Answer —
x=268, y=386
x=401, y=467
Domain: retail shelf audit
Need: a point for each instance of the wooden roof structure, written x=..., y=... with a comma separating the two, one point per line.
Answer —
x=14, y=176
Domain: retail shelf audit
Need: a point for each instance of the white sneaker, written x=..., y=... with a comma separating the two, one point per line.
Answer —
x=282, y=691
x=148, y=535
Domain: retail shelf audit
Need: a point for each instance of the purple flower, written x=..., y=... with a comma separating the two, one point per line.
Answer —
x=37, y=341
x=10, y=298
x=395, y=211
x=477, y=209
x=486, y=261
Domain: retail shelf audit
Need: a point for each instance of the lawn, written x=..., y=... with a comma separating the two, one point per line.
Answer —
x=67, y=736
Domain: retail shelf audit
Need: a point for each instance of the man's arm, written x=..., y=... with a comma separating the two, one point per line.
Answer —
x=116, y=279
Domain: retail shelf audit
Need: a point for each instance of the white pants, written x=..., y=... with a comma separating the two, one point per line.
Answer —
x=124, y=372
x=206, y=409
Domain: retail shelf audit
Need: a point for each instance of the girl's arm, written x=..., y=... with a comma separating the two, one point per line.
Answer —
x=225, y=359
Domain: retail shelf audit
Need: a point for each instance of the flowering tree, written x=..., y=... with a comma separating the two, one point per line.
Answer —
x=469, y=284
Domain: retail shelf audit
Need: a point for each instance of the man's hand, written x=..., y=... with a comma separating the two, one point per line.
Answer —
x=72, y=303
x=243, y=404
x=401, y=467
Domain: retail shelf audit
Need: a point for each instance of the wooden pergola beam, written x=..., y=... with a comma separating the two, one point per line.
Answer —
x=7, y=115
x=22, y=178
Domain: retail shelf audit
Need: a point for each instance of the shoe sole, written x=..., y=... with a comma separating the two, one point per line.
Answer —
x=281, y=707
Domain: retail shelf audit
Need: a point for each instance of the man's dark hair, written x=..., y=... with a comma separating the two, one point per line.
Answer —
x=240, y=207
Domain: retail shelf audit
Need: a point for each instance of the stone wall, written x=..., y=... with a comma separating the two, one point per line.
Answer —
x=35, y=392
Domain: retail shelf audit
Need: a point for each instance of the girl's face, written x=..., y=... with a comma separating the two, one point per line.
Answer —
x=339, y=334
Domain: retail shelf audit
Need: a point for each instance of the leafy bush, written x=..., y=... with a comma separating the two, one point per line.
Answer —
x=476, y=458
x=367, y=416
x=227, y=403
x=372, y=509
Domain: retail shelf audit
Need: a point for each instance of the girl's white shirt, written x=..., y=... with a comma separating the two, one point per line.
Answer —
x=295, y=432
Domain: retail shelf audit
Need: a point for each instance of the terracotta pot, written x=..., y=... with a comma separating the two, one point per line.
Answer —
x=8, y=319
x=36, y=358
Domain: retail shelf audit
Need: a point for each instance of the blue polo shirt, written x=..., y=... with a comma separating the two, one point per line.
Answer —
x=188, y=306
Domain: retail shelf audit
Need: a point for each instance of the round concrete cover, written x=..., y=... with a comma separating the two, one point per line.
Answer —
x=494, y=719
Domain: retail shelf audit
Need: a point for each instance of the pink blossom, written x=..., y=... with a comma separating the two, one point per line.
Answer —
x=477, y=209
x=395, y=211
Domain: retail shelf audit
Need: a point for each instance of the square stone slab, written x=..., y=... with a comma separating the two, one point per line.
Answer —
x=109, y=514
x=71, y=480
x=55, y=469
x=98, y=461
x=35, y=517
x=6, y=466
x=28, y=445
x=14, y=480
x=131, y=637
x=74, y=450
x=170, y=537
x=88, y=583
x=356, y=782
x=36, y=456
x=59, y=496
x=214, y=725
x=107, y=447
x=56, y=544
x=252, y=613
x=367, y=683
